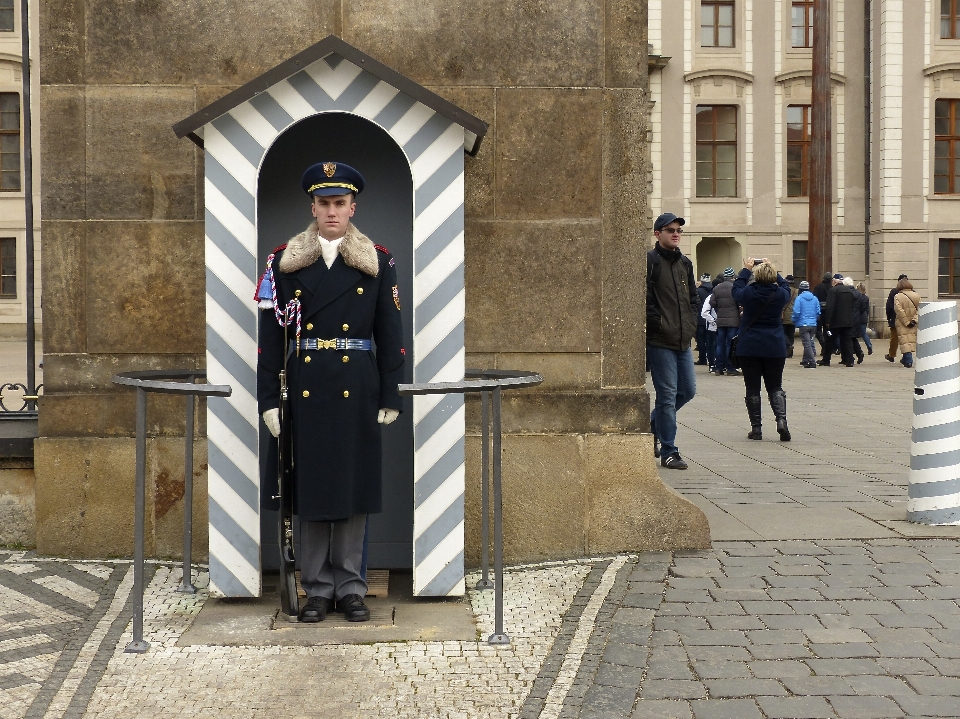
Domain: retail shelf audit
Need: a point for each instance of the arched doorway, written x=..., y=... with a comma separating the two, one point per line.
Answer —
x=714, y=254
x=385, y=214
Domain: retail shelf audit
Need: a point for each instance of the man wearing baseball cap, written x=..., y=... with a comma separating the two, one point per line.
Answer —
x=672, y=304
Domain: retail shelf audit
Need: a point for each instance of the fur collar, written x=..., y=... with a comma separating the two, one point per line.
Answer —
x=356, y=250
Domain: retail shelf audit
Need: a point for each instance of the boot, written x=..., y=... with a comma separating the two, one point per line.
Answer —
x=753, y=412
x=778, y=402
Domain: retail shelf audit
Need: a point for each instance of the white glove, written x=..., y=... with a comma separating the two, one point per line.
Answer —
x=387, y=416
x=271, y=418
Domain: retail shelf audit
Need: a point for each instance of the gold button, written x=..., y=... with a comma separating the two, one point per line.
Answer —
x=359, y=290
x=297, y=293
x=309, y=325
x=307, y=358
x=306, y=393
x=346, y=327
x=345, y=359
x=345, y=393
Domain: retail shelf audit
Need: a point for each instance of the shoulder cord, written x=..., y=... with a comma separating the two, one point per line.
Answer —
x=290, y=311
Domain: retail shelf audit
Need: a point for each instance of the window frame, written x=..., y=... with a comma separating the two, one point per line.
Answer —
x=6, y=271
x=13, y=16
x=953, y=147
x=804, y=144
x=807, y=5
x=717, y=4
x=799, y=276
x=953, y=17
x=953, y=281
x=19, y=135
x=715, y=144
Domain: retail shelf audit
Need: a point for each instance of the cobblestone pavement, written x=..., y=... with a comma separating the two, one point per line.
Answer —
x=816, y=600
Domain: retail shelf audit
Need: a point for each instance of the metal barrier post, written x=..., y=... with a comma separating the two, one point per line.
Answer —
x=186, y=582
x=485, y=582
x=498, y=636
x=158, y=381
x=138, y=646
x=485, y=381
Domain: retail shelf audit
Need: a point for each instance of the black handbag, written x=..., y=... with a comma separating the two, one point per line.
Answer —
x=732, y=355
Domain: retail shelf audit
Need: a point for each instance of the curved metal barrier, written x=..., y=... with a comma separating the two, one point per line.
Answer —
x=486, y=382
x=167, y=382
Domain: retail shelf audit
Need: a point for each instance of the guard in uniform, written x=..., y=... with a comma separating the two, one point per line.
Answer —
x=337, y=291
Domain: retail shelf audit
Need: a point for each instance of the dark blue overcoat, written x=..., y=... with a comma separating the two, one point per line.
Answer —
x=765, y=302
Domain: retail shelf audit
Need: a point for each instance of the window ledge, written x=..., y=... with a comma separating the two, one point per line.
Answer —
x=720, y=200
x=955, y=196
x=801, y=201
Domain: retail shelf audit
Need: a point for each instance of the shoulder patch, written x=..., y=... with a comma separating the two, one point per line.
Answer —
x=382, y=249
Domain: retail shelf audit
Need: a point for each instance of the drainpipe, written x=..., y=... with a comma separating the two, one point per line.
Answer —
x=867, y=94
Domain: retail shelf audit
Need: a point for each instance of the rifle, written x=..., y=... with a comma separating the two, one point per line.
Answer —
x=289, y=601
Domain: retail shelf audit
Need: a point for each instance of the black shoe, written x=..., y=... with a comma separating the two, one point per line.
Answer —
x=718, y=372
x=315, y=610
x=888, y=358
x=754, y=414
x=353, y=608
x=823, y=363
x=869, y=350
x=847, y=364
x=860, y=358
x=674, y=461
x=733, y=373
x=778, y=403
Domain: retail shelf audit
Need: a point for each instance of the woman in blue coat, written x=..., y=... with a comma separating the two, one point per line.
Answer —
x=761, y=350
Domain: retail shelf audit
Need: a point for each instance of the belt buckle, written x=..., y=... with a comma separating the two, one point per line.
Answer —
x=327, y=344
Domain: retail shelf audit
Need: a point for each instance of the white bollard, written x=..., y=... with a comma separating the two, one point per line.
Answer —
x=934, y=492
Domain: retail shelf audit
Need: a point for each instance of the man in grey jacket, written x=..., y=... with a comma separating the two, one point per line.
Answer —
x=672, y=304
x=728, y=322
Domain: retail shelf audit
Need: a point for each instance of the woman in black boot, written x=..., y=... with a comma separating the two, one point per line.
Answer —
x=761, y=349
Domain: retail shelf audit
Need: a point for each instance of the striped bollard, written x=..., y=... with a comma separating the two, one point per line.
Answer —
x=934, y=492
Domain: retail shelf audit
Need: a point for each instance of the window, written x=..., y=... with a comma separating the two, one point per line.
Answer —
x=9, y=141
x=950, y=19
x=801, y=32
x=798, y=151
x=948, y=280
x=6, y=16
x=8, y=267
x=716, y=151
x=716, y=23
x=799, y=261
x=946, y=168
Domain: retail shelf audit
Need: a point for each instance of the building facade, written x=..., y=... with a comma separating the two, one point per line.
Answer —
x=13, y=263
x=555, y=220
x=731, y=93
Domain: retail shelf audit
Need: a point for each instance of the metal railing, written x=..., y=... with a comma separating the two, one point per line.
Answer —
x=28, y=408
x=183, y=382
x=487, y=382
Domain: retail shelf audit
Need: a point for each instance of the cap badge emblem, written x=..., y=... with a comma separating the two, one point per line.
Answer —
x=329, y=169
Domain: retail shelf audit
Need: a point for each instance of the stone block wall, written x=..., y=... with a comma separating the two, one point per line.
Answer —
x=556, y=212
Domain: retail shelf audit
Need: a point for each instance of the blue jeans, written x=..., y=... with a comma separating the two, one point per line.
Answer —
x=862, y=334
x=809, y=348
x=725, y=336
x=906, y=360
x=675, y=384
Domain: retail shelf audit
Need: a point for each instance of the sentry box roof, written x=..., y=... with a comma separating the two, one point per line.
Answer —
x=333, y=50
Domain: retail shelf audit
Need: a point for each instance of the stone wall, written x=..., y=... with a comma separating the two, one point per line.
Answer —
x=556, y=224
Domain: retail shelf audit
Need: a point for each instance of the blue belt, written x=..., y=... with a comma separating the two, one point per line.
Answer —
x=340, y=343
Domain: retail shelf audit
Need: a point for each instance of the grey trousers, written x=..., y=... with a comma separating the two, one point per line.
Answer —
x=331, y=554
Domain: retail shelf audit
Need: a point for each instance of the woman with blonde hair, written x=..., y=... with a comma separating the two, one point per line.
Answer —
x=761, y=350
x=906, y=304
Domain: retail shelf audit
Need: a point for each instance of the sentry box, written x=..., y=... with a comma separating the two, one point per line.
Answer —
x=332, y=100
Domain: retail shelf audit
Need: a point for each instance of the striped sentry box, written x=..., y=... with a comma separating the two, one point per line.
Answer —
x=934, y=491
x=235, y=144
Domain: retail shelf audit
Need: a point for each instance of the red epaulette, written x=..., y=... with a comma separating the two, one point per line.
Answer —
x=383, y=249
x=277, y=249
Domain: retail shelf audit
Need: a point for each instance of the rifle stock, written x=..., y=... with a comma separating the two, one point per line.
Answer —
x=289, y=602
